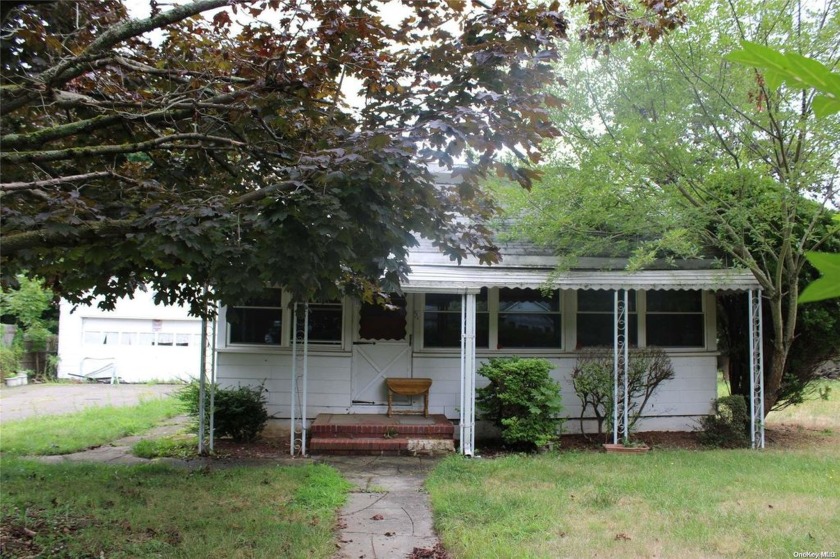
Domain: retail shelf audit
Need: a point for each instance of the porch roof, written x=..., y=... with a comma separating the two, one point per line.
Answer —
x=425, y=278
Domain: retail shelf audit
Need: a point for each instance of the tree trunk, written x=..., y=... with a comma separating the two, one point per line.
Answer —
x=734, y=334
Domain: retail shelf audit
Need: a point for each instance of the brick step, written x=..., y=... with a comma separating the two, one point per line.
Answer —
x=379, y=445
x=380, y=435
x=435, y=426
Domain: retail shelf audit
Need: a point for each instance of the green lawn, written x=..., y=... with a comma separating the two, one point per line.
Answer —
x=63, y=434
x=668, y=503
x=94, y=510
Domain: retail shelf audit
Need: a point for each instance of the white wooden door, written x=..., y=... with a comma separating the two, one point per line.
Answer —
x=381, y=349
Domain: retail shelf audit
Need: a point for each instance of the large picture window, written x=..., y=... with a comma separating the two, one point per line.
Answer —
x=675, y=319
x=596, y=318
x=442, y=320
x=529, y=319
x=258, y=321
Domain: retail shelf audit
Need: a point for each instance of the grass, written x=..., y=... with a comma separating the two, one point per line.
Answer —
x=95, y=510
x=668, y=503
x=63, y=434
x=176, y=446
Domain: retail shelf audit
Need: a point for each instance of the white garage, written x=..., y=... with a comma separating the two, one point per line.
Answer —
x=136, y=342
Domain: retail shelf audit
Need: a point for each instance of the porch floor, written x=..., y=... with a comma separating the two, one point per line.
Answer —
x=380, y=434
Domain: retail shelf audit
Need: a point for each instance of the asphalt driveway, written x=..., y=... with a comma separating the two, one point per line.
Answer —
x=55, y=399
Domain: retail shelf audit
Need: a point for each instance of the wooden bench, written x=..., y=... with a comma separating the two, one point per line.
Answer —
x=408, y=387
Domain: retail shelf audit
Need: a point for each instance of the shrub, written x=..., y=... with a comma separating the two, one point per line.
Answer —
x=239, y=412
x=9, y=360
x=592, y=379
x=522, y=400
x=728, y=426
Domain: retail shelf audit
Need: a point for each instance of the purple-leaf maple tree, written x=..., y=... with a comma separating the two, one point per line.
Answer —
x=222, y=149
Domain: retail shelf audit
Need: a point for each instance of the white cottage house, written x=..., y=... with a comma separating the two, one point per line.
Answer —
x=333, y=357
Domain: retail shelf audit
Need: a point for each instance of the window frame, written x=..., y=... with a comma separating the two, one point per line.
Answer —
x=635, y=297
x=493, y=329
x=421, y=304
x=286, y=333
x=702, y=313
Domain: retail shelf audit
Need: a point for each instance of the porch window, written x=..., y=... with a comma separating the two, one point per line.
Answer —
x=258, y=321
x=442, y=320
x=529, y=319
x=675, y=319
x=596, y=318
x=324, y=322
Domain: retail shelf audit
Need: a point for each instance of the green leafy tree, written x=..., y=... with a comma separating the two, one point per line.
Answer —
x=31, y=308
x=801, y=71
x=230, y=155
x=698, y=157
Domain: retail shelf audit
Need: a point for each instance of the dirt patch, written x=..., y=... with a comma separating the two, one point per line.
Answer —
x=19, y=534
x=777, y=436
x=261, y=449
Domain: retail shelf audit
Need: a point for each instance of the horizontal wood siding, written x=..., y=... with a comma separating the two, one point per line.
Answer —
x=678, y=402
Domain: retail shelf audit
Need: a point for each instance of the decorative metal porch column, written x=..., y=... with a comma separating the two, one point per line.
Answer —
x=467, y=426
x=620, y=358
x=299, y=360
x=756, y=371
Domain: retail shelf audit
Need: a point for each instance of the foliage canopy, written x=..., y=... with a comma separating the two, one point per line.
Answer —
x=228, y=154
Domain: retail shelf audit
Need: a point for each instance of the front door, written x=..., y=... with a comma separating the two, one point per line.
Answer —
x=381, y=349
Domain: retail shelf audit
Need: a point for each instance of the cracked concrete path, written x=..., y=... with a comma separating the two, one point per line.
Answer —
x=119, y=451
x=389, y=513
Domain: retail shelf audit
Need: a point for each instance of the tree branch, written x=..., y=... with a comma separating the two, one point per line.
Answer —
x=95, y=151
x=13, y=186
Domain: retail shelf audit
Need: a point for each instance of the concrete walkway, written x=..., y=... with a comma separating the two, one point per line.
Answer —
x=55, y=399
x=389, y=513
x=387, y=516
x=119, y=451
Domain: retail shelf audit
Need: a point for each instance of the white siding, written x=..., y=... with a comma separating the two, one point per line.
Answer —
x=677, y=404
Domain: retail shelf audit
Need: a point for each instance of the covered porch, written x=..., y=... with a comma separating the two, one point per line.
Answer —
x=467, y=283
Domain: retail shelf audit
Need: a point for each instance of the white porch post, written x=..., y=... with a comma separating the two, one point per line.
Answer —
x=202, y=387
x=293, y=392
x=305, y=378
x=213, y=373
x=756, y=370
x=467, y=426
x=620, y=358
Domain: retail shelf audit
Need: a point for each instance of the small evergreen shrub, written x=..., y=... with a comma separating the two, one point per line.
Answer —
x=240, y=413
x=727, y=428
x=522, y=400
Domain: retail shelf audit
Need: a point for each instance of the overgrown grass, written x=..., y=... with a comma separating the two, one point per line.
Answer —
x=821, y=409
x=176, y=446
x=63, y=434
x=94, y=510
x=668, y=503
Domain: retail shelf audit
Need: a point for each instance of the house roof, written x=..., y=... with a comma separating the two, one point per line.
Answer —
x=443, y=279
x=525, y=266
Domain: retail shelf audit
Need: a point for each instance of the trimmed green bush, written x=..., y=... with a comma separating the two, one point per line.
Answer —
x=239, y=412
x=522, y=400
x=727, y=428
